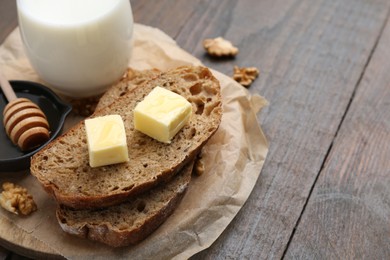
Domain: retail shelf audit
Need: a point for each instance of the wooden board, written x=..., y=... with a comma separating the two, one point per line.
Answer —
x=17, y=240
x=349, y=217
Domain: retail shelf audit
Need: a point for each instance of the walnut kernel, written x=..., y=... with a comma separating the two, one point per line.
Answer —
x=16, y=199
x=246, y=75
x=220, y=47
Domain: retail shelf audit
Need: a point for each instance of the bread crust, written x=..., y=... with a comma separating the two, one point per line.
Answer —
x=105, y=230
x=62, y=166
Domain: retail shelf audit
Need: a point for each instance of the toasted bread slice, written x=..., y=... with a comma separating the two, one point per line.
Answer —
x=131, y=221
x=62, y=166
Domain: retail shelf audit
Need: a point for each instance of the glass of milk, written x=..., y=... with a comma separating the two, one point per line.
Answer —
x=78, y=47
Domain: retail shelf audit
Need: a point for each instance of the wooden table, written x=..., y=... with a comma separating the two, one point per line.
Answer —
x=324, y=191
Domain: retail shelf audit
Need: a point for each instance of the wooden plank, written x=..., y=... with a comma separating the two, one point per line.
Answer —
x=311, y=54
x=169, y=16
x=8, y=19
x=348, y=215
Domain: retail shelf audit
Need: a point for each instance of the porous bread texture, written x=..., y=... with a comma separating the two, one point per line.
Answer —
x=131, y=80
x=129, y=222
x=62, y=166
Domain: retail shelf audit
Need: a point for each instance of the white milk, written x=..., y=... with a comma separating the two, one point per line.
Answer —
x=79, y=47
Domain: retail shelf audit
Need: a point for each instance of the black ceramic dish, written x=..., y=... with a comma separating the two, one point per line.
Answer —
x=11, y=157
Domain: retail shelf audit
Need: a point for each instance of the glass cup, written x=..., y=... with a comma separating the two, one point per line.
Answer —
x=78, y=47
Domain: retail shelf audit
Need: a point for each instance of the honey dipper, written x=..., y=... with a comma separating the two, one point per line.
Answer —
x=24, y=122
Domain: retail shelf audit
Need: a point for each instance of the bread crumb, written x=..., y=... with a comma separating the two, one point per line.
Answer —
x=16, y=199
x=199, y=166
x=219, y=47
x=245, y=75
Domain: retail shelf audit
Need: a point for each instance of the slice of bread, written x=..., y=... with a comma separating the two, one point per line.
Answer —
x=62, y=166
x=132, y=221
x=129, y=222
x=131, y=80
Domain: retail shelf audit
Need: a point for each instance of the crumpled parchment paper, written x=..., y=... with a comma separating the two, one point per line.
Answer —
x=233, y=159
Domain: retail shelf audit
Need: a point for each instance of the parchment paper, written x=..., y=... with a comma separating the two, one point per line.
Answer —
x=233, y=160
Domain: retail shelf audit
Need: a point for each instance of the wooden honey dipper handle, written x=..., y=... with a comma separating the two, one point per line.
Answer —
x=24, y=122
x=7, y=89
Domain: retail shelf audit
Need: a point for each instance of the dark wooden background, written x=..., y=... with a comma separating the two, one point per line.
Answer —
x=324, y=192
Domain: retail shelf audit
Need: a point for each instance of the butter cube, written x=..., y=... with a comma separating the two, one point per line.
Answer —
x=106, y=139
x=162, y=114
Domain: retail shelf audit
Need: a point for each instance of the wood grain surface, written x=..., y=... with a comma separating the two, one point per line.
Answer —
x=348, y=214
x=324, y=189
x=26, y=245
x=8, y=18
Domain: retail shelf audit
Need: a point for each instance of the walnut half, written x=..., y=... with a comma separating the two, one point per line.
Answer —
x=246, y=75
x=219, y=47
x=16, y=199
